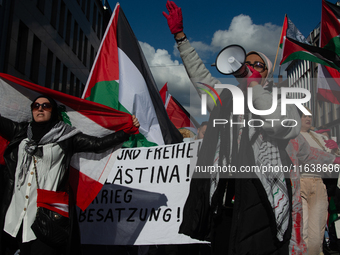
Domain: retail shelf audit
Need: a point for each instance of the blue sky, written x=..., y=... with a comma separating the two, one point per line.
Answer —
x=210, y=26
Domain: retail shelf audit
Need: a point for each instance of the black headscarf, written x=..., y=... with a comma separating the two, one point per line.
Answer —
x=39, y=129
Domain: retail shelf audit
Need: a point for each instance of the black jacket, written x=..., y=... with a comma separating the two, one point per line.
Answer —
x=249, y=225
x=15, y=133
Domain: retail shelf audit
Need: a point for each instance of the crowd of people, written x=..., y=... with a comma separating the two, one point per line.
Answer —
x=272, y=213
x=256, y=221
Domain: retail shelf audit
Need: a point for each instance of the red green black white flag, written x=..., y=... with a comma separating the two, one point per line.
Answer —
x=120, y=78
x=291, y=31
x=178, y=115
x=296, y=50
x=88, y=171
x=328, y=85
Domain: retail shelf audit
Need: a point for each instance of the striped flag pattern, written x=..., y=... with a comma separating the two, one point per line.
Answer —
x=88, y=170
x=328, y=84
x=296, y=50
x=291, y=31
x=120, y=78
x=176, y=112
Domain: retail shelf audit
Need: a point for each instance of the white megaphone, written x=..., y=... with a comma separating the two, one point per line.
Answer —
x=231, y=60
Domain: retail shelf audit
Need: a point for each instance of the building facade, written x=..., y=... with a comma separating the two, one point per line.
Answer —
x=52, y=43
x=304, y=74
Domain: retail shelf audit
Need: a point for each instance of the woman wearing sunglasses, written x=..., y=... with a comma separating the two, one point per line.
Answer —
x=238, y=213
x=38, y=156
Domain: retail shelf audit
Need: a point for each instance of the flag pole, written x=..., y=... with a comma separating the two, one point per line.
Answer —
x=278, y=46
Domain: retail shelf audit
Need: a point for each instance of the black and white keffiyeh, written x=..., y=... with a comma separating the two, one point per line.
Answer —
x=273, y=180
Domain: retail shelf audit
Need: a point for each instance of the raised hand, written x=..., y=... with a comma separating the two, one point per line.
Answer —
x=174, y=18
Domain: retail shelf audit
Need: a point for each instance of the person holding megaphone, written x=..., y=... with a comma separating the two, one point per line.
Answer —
x=239, y=213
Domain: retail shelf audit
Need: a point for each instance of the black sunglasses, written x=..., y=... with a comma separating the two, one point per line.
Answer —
x=258, y=66
x=45, y=106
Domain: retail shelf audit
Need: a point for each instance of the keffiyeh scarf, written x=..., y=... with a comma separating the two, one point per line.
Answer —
x=58, y=133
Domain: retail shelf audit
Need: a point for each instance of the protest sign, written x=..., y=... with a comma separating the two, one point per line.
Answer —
x=142, y=200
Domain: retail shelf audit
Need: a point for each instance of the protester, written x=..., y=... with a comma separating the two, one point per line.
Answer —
x=237, y=215
x=314, y=192
x=303, y=156
x=187, y=134
x=331, y=185
x=39, y=153
x=201, y=130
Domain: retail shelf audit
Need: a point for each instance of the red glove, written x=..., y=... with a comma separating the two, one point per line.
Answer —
x=256, y=76
x=331, y=144
x=175, y=18
x=337, y=160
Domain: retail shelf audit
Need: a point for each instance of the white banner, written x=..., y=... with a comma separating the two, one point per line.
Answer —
x=143, y=198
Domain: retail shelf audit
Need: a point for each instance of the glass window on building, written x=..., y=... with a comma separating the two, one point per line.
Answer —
x=64, y=87
x=35, y=61
x=80, y=47
x=72, y=87
x=86, y=42
x=99, y=32
x=49, y=68
x=62, y=19
x=41, y=6
x=82, y=88
x=91, y=56
x=57, y=75
x=77, y=87
x=331, y=113
x=94, y=17
x=68, y=28
x=323, y=114
x=20, y=61
x=54, y=13
x=88, y=10
x=83, y=5
x=75, y=37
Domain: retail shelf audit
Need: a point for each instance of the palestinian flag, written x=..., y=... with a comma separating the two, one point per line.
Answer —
x=88, y=170
x=330, y=27
x=297, y=50
x=291, y=31
x=176, y=112
x=284, y=31
x=328, y=85
x=120, y=78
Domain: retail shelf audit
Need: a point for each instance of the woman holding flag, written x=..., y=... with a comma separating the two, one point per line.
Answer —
x=247, y=214
x=37, y=167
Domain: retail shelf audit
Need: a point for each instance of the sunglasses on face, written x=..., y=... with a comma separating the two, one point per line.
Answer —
x=44, y=106
x=258, y=66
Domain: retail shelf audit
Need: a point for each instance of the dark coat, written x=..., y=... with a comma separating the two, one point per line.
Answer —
x=15, y=133
x=246, y=227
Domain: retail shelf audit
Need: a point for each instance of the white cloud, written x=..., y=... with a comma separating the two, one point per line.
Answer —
x=243, y=31
x=164, y=69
